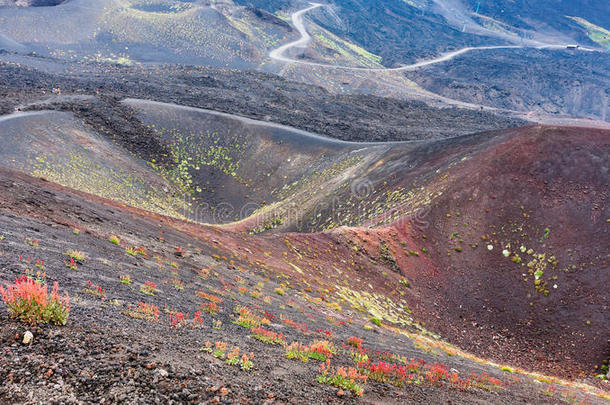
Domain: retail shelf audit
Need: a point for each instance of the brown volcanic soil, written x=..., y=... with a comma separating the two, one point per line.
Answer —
x=506, y=195
x=102, y=354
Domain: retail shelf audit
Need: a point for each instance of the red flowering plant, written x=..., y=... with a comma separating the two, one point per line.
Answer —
x=210, y=308
x=322, y=350
x=31, y=301
x=386, y=372
x=269, y=337
x=209, y=297
x=149, y=288
x=349, y=379
x=94, y=289
x=437, y=373
x=248, y=319
x=179, y=320
x=355, y=342
x=147, y=312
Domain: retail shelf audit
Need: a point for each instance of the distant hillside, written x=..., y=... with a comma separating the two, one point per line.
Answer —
x=552, y=13
x=552, y=82
x=402, y=31
x=398, y=31
x=136, y=31
x=30, y=3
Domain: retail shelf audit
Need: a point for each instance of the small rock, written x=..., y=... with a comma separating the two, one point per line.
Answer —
x=340, y=393
x=27, y=337
x=162, y=372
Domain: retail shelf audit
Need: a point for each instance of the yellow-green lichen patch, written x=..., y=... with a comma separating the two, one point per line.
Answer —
x=376, y=305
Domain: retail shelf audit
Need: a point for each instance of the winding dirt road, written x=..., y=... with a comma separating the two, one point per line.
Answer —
x=297, y=20
x=279, y=54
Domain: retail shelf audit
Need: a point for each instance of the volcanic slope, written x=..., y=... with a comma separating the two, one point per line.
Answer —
x=57, y=146
x=379, y=283
x=131, y=31
x=116, y=349
x=247, y=93
x=535, y=196
x=516, y=218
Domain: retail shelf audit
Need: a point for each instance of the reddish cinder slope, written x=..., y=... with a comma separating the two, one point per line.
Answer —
x=539, y=298
x=508, y=259
x=535, y=195
x=410, y=225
